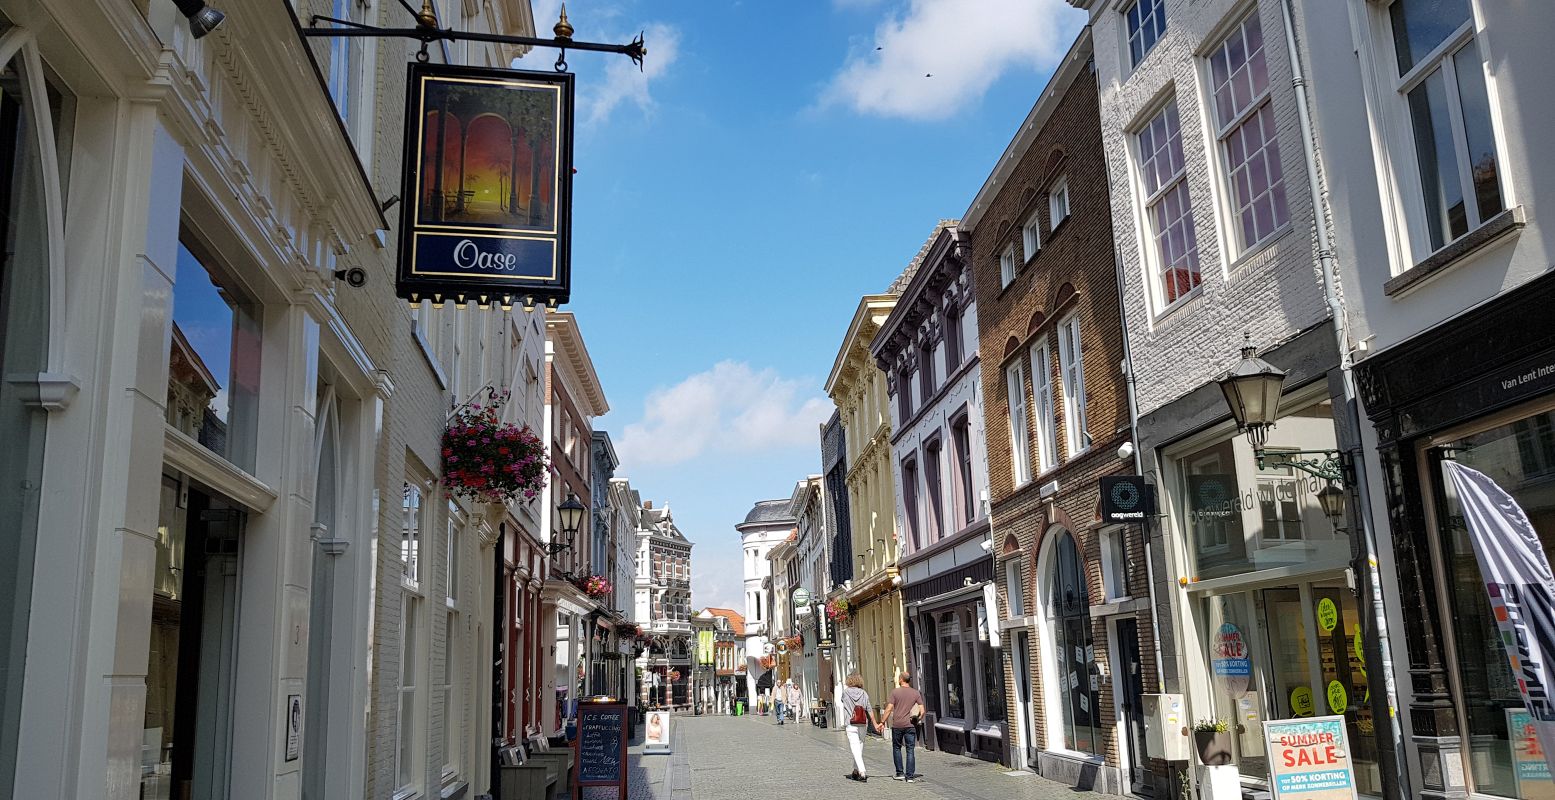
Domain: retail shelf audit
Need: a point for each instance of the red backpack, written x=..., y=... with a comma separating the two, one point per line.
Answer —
x=859, y=717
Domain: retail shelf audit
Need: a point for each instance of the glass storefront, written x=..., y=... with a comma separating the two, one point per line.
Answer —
x=1278, y=623
x=1500, y=756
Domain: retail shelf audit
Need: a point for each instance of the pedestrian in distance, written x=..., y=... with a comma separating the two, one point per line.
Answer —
x=859, y=716
x=903, y=709
x=794, y=700
x=779, y=694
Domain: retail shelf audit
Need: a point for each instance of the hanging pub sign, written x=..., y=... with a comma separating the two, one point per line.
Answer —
x=486, y=201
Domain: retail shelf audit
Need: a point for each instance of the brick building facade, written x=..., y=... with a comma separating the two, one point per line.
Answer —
x=1076, y=619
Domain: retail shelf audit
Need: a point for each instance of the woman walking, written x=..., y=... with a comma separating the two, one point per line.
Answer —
x=857, y=714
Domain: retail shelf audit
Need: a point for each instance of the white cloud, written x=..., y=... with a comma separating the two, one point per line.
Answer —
x=623, y=82
x=730, y=408
x=965, y=46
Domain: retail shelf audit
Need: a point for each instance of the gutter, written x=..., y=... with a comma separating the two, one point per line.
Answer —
x=1368, y=580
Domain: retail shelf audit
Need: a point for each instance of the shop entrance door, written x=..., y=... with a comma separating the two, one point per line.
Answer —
x=1131, y=685
x=1022, y=667
x=193, y=654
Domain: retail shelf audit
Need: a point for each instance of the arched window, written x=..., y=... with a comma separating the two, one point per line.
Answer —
x=1071, y=678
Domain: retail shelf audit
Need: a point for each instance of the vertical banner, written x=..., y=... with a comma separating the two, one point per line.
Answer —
x=1309, y=759
x=704, y=647
x=486, y=196
x=1521, y=587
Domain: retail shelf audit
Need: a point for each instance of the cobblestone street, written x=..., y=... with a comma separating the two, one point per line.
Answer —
x=724, y=758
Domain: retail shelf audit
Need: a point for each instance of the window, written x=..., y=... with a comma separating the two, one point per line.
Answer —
x=1007, y=266
x=1244, y=120
x=1058, y=203
x=910, y=501
x=992, y=663
x=1280, y=501
x=214, y=359
x=1072, y=372
x=961, y=439
x=1042, y=390
x=1074, y=656
x=410, y=533
x=1031, y=235
x=933, y=491
x=953, y=354
x=1167, y=205
x=1015, y=588
x=453, y=705
x=1146, y=22
x=407, y=770
x=1115, y=569
x=926, y=383
x=1443, y=82
x=451, y=573
x=1020, y=433
x=343, y=54
x=903, y=396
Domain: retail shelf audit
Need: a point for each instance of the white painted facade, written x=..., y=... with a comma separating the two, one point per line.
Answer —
x=765, y=527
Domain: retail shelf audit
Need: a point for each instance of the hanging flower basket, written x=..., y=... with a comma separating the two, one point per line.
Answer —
x=490, y=461
x=837, y=610
x=795, y=642
x=596, y=586
x=674, y=674
x=767, y=662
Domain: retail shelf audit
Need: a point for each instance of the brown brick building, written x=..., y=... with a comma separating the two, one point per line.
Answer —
x=1074, y=613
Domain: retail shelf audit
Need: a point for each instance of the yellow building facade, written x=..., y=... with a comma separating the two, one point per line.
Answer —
x=873, y=639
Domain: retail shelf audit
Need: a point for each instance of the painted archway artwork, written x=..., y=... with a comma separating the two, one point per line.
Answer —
x=489, y=157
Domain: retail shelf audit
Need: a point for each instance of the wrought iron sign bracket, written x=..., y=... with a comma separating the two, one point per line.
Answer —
x=427, y=31
x=1331, y=465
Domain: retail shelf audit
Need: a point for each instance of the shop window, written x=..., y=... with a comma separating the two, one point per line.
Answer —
x=214, y=371
x=993, y=681
x=1072, y=675
x=1491, y=712
x=1239, y=518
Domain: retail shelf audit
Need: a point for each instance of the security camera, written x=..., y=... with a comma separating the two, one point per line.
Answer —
x=1125, y=451
x=355, y=277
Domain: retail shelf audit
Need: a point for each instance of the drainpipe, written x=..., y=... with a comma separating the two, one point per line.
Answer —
x=1368, y=579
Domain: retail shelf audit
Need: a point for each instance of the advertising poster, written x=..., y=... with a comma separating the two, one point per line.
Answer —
x=656, y=739
x=487, y=189
x=1309, y=759
x=1230, y=661
x=1528, y=764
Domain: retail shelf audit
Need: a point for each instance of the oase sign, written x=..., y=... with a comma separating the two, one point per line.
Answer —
x=1126, y=498
x=486, y=200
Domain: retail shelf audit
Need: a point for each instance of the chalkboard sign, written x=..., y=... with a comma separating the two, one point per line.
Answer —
x=601, y=746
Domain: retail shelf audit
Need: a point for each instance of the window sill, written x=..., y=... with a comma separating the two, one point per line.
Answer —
x=1491, y=231
x=454, y=789
x=407, y=793
x=1253, y=253
x=1181, y=302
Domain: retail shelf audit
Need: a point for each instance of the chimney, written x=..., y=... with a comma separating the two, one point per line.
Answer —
x=648, y=504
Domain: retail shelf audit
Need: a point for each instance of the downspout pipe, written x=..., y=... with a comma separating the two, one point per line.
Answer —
x=1368, y=578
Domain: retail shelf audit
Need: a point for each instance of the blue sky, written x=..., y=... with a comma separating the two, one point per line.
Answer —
x=735, y=199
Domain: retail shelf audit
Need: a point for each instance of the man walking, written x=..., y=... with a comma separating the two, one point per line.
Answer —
x=903, y=709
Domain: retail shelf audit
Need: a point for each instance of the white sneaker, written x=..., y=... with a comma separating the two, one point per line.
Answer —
x=898, y=777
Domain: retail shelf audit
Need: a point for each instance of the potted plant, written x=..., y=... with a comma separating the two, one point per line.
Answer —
x=1212, y=740
x=596, y=586
x=837, y=610
x=488, y=460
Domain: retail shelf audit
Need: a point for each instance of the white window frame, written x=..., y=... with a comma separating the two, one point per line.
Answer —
x=1014, y=589
x=1058, y=203
x=1071, y=366
x=1130, y=34
x=1042, y=395
x=1155, y=257
x=1020, y=429
x=452, y=692
x=1031, y=235
x=409, y=764
x=1008, y=269
x=1409, y=187
x=1224, y=130
x=1114, y=566
x=411, y=550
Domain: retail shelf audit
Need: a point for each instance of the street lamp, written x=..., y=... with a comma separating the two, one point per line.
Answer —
x=1332, y=499
x=570, y=514
x=1252, y=389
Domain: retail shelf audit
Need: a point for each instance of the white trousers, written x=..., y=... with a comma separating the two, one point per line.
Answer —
x=856, y=745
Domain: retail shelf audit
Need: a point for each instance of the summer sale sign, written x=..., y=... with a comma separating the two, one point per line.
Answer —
x=1309, y=759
